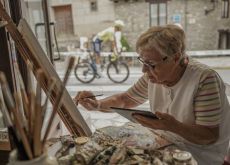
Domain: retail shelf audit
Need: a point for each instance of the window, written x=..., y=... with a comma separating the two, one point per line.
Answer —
x=93, y=5
x=224, y=39
x=225, y=9
x=158, y=13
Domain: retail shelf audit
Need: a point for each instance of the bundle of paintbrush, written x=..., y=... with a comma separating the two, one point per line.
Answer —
x=24, y=111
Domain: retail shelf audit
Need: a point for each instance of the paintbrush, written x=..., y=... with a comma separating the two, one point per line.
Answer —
x=91, y=96
x=18, y=105
x=38, y=118
x=25, y=100
x=5, y=113
x=31, y=97
x=59, y=97
x=52, y=82
x=88, y=97
x=14, y=140
x=16, y=118
x=18, y=89
x=22, y=155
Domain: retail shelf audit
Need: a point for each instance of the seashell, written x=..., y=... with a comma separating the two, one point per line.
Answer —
x=81, y=140
x=182, y=157
x=167, y=157
x=136, y=151
x=118, y=156
x=88, y=151
x=104, y=156
x=138, y=158
x=65, y=160
x=157, y=161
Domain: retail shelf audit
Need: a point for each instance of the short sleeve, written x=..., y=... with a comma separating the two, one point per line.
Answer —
x=207, y=103
x=107, y=36
x=139, y=91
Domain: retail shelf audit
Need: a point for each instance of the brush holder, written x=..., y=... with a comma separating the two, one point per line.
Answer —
x=44, y=159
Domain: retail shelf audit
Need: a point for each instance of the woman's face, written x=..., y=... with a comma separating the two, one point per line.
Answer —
x=158, y=68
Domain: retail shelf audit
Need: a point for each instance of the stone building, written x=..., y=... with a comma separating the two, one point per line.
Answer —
x=206, y=22
x=81, y=18
x=72, y=18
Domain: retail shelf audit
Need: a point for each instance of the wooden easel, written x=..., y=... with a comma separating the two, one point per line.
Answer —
x=30, y=49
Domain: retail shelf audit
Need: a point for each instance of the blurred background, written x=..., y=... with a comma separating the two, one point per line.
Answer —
x=63, y=27
x=206, y=23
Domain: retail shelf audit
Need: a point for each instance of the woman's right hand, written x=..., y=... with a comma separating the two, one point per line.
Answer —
x=86, y=99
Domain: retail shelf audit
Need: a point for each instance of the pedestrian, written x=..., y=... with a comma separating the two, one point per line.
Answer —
x=188, y=97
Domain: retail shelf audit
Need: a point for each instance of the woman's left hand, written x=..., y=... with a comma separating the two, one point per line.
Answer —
x=165, y=122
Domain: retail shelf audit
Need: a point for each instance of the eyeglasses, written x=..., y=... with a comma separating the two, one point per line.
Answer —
x=150, y=65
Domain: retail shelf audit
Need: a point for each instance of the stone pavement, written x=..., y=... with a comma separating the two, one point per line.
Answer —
x=216, y=62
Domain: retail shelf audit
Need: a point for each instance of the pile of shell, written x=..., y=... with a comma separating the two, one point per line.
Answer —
x=113, y=146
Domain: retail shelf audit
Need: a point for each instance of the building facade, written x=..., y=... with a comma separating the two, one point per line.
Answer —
x=206, y=22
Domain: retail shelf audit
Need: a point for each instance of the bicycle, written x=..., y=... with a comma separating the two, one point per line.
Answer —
x=86, y=70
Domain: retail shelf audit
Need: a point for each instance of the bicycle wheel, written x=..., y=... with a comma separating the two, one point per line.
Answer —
x=84, y=72
x=118, y=72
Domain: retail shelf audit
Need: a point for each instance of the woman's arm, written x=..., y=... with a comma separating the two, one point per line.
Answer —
x=134, y=96
x=121, y=100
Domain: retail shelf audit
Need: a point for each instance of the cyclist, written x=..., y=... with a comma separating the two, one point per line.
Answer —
x=112, y=34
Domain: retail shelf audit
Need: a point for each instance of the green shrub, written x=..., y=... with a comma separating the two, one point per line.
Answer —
x=125, y=45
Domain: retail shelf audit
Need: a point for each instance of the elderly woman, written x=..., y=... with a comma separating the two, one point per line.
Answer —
x=188, y=97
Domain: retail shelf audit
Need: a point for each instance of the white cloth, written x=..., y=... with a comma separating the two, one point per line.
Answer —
x=178, y=102
x=118, y=41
